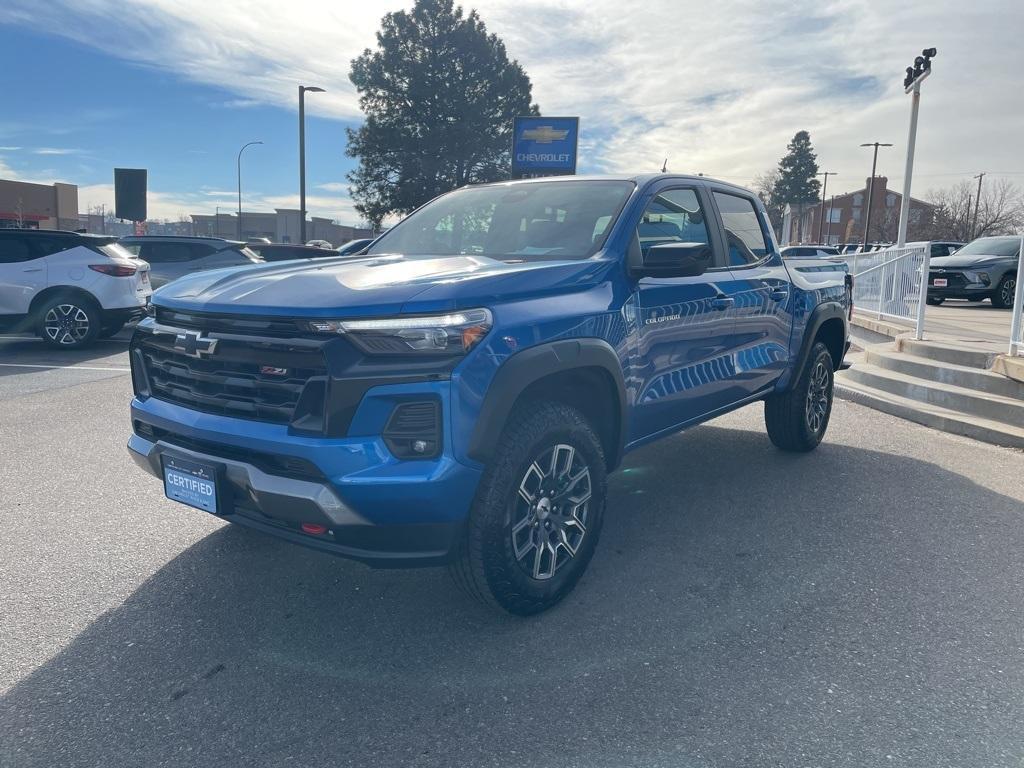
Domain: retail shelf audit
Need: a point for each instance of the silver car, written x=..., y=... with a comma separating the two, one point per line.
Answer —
x=170, y=256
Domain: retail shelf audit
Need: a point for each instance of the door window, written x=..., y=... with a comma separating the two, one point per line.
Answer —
x=673, y=216
x=13, y=250
x=166, y=253
x=744, y=233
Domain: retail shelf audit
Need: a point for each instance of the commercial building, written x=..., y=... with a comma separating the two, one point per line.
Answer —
x=281, y=226
x=844, y=217
x=38, y=206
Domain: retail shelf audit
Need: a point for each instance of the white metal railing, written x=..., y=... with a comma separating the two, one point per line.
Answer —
x=892, y=283
x=1016, y=325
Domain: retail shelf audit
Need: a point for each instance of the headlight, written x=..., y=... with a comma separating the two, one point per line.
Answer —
x=453, y=334
x=976, y=277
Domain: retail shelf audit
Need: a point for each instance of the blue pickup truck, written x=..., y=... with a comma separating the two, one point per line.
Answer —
x=459, y=393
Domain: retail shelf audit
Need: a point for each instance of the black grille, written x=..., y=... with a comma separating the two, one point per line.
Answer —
x=260, y=326
x=251, y=381
x=955, y=279
x=414, y=430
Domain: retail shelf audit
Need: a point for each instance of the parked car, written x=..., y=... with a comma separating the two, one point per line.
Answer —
x=259, y=241
x=287, y=251
x=809, y=252
x=69, y=288
x=354, y=246
x=321, y=244
x=445, y=405
x=171, y=256
x=985, y=268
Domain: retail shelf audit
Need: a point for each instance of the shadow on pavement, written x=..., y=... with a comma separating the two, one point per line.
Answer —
x=27, y=350
x=746, y=607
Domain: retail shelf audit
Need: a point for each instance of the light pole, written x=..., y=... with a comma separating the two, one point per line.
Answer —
x=240, y=184
x=821, y=211
x=871, y=189
x=302, y=157
x=912, y=85
x=828, y=230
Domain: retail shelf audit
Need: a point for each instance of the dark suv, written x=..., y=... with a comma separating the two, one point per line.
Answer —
x=985, y=268
x=172, y=257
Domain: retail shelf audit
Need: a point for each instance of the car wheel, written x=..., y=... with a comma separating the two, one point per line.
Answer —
x=1004, y=293
x=797, y=419
x=934, y=302
x=538, y=512
x=111, y=330
x=68, y=322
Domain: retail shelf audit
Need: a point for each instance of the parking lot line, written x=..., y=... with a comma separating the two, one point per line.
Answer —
x=65, y=367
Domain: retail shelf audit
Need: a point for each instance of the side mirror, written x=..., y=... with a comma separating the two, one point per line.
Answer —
x=675, y=260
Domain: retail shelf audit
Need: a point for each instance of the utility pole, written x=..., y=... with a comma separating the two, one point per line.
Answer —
x=828, y=230
x=302, y=157
x=871, y=190
x=821, y=210
x=977, y=204
x=912, y=85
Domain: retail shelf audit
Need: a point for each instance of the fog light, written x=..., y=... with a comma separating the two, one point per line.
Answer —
x=419, y=446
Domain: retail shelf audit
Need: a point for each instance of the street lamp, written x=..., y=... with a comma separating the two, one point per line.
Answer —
x=240, y=185
x=302, y=157
x=821, y=211
x=871, y=189
x=912, y=84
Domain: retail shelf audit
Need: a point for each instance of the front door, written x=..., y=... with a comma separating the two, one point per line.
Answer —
x=682, y=367
x=22, y=273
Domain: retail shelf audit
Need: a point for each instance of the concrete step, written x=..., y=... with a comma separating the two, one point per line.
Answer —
x=946, y=352
x=944, y=419
x=933, y=370
x=998, y=408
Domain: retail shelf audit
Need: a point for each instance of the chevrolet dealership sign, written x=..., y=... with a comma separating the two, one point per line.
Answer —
x=544, y=146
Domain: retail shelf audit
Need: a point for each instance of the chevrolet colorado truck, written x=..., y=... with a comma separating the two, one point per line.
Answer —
x=459, y=393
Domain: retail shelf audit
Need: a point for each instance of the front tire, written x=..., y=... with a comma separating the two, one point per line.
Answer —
x=797, y=419
x=68, y=322
x=538, y=513
x=1004, y=293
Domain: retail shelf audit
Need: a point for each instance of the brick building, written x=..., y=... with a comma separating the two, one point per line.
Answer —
x=844, y=217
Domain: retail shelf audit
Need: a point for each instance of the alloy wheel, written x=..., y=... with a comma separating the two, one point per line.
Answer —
x=66, y=324
x=550, y=511
x=1008, y=291
x=817, y=397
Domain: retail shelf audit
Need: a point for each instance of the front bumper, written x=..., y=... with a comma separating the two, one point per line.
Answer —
x=375, y=508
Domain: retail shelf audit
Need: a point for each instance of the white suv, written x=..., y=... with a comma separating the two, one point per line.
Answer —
x=69, y=288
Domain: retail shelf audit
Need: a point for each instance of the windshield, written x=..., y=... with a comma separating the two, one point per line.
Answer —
x=513, y=222
x=991, y=246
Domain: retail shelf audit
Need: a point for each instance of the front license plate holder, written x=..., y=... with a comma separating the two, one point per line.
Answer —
x=195, y=483
x=940, y=282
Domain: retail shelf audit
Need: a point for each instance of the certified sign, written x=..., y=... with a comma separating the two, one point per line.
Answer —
x=544, y=146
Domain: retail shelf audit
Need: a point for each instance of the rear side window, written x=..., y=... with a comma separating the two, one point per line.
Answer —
x=13, y=249
x=47, y=246
x=166, y=253
x=743, y=231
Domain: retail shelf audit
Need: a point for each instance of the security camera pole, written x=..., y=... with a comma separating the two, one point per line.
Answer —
x=912, y=85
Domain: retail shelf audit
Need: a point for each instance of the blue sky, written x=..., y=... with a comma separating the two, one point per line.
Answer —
x=716, y=86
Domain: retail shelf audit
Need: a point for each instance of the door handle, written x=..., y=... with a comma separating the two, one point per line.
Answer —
x=36, y=269
x=722, y=302
x=778, y=294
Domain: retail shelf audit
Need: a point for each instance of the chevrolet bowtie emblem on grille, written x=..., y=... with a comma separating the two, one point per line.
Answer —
x=193, y=344
x=544, y=134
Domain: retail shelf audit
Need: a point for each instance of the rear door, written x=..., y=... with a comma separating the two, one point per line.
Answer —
x=23, y=273
x=760, y=287
x=681, y=367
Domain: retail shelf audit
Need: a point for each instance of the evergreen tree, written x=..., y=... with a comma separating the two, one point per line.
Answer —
x=439, y=94
x=797, y=183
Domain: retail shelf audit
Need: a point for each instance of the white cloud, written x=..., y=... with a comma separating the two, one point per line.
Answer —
x=716, y=86
x=57, y=151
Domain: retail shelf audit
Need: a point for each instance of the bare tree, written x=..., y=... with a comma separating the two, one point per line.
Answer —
x=765, y=185
x=1000, y=211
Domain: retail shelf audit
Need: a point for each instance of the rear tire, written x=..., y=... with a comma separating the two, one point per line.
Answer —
x=538, y=513
x=1003, y=296
x=68, y=321
x=934, y=302
x=797, y=419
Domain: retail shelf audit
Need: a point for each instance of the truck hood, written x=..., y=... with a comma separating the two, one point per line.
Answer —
x=372, y=286
x=967, y=262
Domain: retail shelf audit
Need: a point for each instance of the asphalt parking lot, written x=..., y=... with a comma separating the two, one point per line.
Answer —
x=859, y=606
